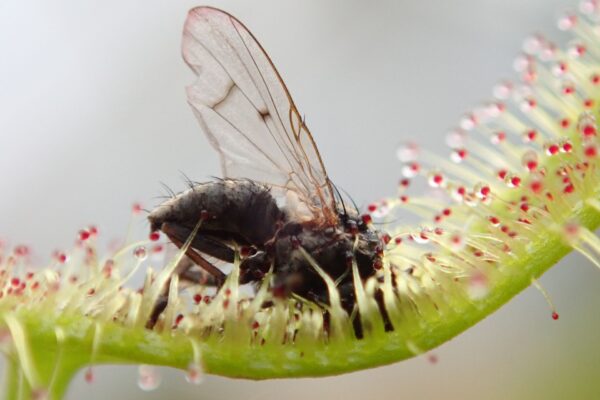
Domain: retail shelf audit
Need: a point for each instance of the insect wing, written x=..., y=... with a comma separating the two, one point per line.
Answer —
x=248, y=114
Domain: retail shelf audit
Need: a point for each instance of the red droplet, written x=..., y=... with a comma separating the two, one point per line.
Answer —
x=553, y=149
x=21, y=250
x=197, y=298
x=255, y=325
x=372, y=207
x=499, y=137
x=378, y=264
x=485, y=191
x=386, y=238
x=588, y=103
x=403, y=183
x=531, y=165
x=154, y=236
x=588, y=130
x=15, y=281
x=530, y=135
x=446, y=212
x=366, y=218
x=404, y=199
x=595, y=78
x=564, y=123
x=591, y=151
x=502, y=174
x=438, y=179
x=136, y=208
x=569, y=189
x=536, y=186
x=568, y=90
x=398, y=240
x=84, y=235
x=515, y=181
x=89, y=375
x=494, y=220
x=554, y=315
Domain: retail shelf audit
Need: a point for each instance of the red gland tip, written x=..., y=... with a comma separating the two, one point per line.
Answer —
x=84, y=235
x=154, y=236
x=136, y=208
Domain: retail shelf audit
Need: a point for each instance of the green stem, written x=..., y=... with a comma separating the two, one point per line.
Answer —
x=12, y=380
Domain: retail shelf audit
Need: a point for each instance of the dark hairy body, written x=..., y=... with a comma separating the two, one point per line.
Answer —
x=243, y=214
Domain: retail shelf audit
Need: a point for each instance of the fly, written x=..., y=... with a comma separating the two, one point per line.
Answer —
x=275, y=195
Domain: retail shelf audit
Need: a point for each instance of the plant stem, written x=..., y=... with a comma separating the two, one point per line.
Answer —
x=12, y=379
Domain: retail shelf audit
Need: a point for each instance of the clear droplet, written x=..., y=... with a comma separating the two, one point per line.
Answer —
x=567, y=21
x=148, y=378
x=468, y=122
x=502, y=90
x=576, y=49
x=194, y=373
x=421, y=237
x=533, y=44
x=436, y=179
x=381, y=211
x=407, y=152
x=411, y=170
x=588, y=7
x=529, y=160
x=478, y=286
x=140, y=253
x=455, y=138
x=522, y=63
x=458, y=155
x=549, y=51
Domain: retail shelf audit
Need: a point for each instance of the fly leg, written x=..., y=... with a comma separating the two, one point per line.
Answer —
x=206, y=244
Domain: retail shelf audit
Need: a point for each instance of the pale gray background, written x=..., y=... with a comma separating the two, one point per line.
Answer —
x=93, y=116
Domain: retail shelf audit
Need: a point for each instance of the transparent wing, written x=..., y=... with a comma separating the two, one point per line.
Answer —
x=248, y=114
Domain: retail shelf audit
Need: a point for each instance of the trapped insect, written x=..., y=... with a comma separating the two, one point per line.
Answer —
x=275, y=204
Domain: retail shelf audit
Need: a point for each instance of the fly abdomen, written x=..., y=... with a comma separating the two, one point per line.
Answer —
x=239, y=210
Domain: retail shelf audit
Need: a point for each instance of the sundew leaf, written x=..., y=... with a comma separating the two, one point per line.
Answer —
x=518, y=192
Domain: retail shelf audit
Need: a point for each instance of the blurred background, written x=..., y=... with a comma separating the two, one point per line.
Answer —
x=93, y=117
